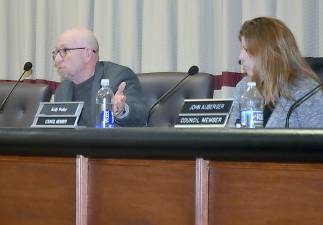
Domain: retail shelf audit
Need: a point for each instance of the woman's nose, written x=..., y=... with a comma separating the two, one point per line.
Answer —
x=240, y=57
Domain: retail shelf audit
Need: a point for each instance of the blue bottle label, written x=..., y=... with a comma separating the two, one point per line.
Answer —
x=251, y=119
x=106, y=119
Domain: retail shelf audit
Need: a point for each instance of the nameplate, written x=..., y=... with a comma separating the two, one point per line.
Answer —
x=56, y=121
x=213, y=106
x=58, y=109
x=204, y=113
x=58, y=114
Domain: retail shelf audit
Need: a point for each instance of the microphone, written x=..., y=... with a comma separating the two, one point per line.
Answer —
x=27, y=67
x=192, y=71
x=300, y=101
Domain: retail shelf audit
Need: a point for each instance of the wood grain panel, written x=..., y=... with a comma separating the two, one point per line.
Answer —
x=141, y=192
x=37, y=191
x=265, y=194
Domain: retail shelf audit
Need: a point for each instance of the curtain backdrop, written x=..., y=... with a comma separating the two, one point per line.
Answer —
x=148, y=35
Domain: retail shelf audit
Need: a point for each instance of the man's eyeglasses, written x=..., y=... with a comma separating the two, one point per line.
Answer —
x=63, y=51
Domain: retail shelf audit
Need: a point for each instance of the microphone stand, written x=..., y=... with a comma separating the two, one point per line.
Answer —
x=192, y=71
x=300, y=101
x=12, y=89
x=164, y=97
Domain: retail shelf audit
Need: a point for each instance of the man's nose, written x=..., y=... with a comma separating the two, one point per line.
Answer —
x=57, y=58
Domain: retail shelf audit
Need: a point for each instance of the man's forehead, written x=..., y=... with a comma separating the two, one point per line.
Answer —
x=66, y=40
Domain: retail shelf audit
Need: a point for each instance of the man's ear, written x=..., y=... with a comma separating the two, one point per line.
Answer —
x=88, y=54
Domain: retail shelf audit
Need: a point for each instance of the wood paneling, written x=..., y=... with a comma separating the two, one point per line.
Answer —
x=37, y=191
x=265, y=193
x=141, y=192
x=89, y=191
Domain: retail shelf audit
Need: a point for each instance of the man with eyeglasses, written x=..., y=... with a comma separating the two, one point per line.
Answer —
x=76, y=57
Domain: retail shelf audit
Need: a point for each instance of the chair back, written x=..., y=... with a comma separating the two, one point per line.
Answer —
x=154, y=85
x=22, y=105
x=317, y=65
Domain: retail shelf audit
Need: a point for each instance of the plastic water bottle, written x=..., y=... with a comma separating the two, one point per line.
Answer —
x=251, y=107
x=104, y=115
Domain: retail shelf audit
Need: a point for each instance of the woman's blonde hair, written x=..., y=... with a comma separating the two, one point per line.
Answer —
x=277, y=57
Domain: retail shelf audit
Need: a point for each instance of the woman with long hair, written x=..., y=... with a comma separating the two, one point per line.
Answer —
x=271, y=58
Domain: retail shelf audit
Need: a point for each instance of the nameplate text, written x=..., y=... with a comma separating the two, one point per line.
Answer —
x=204, y=113
x=58, y=114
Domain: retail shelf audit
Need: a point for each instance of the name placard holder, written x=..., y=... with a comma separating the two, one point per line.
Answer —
x=58, y=114
x=204, y=113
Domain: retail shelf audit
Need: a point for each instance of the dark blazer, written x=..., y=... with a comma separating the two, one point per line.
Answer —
x=116, y=74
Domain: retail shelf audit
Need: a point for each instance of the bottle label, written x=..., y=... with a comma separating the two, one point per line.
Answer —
x=106, y=119
x=252, y=119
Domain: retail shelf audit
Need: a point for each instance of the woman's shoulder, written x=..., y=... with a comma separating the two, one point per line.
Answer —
x=302, y=85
